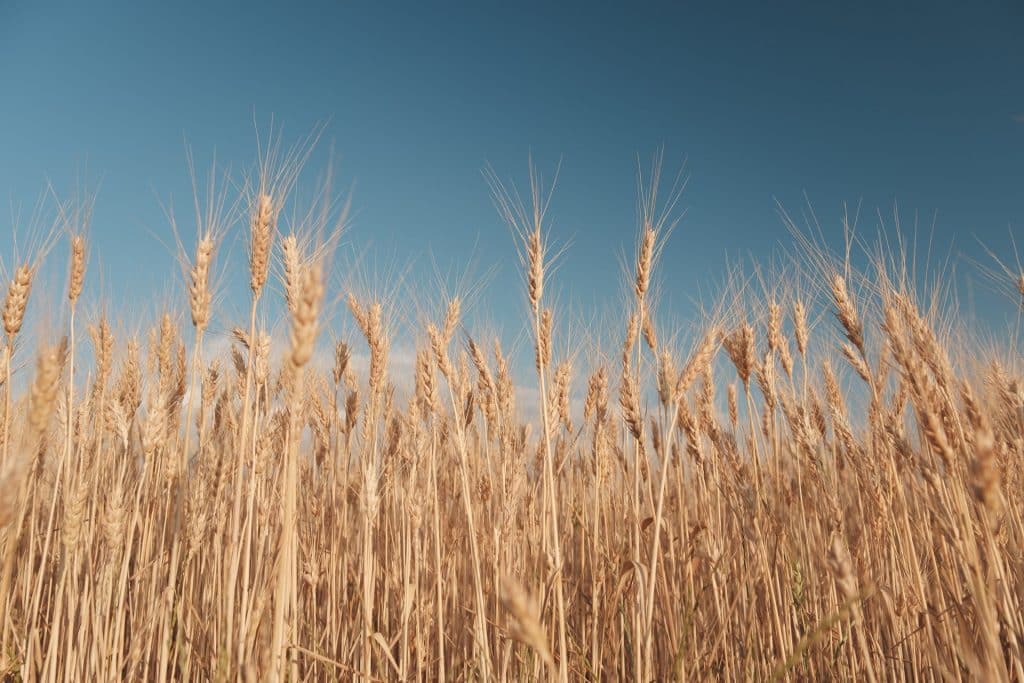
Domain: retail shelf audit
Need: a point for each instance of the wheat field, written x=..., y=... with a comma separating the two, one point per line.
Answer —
x=809, y=482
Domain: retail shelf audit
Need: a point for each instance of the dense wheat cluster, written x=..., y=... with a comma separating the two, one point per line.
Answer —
x=818, y=483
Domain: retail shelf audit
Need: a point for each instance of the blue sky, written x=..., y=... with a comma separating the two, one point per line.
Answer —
x=916, y=106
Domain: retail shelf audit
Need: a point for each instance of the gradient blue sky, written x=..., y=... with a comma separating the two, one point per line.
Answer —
x=871, y=103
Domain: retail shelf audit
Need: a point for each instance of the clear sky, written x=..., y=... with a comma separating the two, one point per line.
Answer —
x=921, y=105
